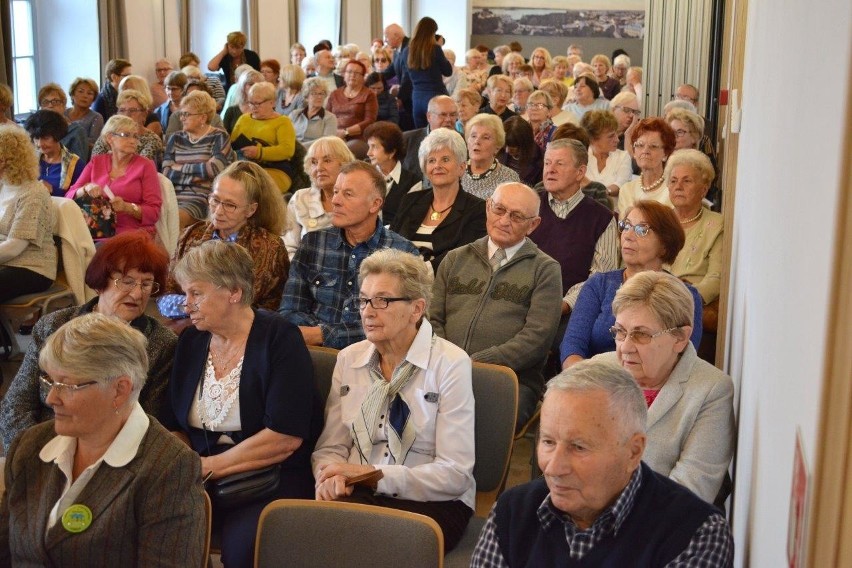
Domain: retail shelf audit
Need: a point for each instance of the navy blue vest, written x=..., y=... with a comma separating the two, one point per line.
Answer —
x=664, y=518
x=571, y=241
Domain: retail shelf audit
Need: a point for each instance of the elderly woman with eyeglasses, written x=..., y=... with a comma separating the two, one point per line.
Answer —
x=134, y=188
x=539, y=105
x=625, y=107
x=242, y=391
x=195, y=156
x=690, y=424
x=244, y=208
x=125, y=272
x=240, y=100
x=101, y=483
x=313, y=121
x=651, y=236
x=653, y=143
x=423, y=464
x=355, y=106
x=134, y=105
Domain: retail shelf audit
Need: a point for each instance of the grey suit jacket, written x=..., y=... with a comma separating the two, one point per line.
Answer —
x=150, y=512
x=691, y=425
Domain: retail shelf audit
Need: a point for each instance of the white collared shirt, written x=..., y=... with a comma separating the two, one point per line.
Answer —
x=121, y=451
x=510, y=252
x=393, y=175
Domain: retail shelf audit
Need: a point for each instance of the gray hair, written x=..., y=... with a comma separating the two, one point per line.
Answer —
x=415, y=279
x=536, y=95
x=331, y=145
x=440, y=139
x=223, y=264
x=577, y=148
x=314, y=84
x=621, y=60
x=432, y=107
x=695, y=159
x=622, y=99
x=201, y=103
x=664, y=294
x=119, y=123
x=263, y=89
x=98, y=347
x=626, y=401
x=677, y=103
x=251, y=75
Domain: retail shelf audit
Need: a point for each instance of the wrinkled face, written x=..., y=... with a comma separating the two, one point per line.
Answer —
x=123, y=141
x=117, y=300
x=600, y=69
x=230, y=209
x=323, y=170
x=500, y=95
x=537, y=110
x=47, y=145
x=381, y=326
x=377, y=154
x=508, y=202
x=520, y=96
x=208, y=305
x=52, y=101
x=83, y=96
x=443, y=168
x=640, y=251
x=684, y=136
x=83, y=412
x=619, y=71
x=444, y=115
x=586, y=457
x=175, y=94
x=269, y=75
x=652, y=363
x=466, y=110
x=686, y=188
x=260, y=107
x=325, y=62
x=162, y=70
x=560, y=173
x=353, y=76
x=482, y=144
x=625, y=113
x=192, y=120
x=648, y=151
x=607, y=141
x=355, y=201
x=132, y=109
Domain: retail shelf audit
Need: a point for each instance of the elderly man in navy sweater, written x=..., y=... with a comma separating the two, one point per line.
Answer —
x=598, y=504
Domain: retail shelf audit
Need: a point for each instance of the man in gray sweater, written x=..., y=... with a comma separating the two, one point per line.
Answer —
x=498, y=298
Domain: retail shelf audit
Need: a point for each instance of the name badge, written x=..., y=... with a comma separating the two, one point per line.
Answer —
x=431, y=397
x=77, y=518
x=344, y=390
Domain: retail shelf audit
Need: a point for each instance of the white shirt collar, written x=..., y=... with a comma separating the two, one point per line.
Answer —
x=510, y=252
x=394, y=173
x=418, y=354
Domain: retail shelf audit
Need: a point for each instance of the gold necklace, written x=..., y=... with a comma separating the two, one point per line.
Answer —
x=436, y=215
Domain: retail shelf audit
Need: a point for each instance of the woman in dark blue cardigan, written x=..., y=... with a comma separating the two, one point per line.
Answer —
x=426, y=66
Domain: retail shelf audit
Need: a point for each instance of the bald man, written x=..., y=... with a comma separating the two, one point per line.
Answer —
x=499, y=297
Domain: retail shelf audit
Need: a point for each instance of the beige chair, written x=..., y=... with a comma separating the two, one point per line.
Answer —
x=495, y=389
x=167, y=226
x=325, y=534
x=324, y=359
x=208, y=509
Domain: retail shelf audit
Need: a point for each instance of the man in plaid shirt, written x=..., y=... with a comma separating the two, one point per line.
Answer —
x=598, y=504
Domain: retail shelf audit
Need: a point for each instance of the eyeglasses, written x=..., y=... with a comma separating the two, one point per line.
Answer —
x=130, y=110
x=258, y=103
x=637, y=336
x=163, y=69
x=63, y=389
x=639, y=146
x=630, y=111
x=356, y=73
x=51, y=102
x=228, y=206
x=174, y=88
x=639, y=229
x=446, y=115
x=515, y=216
x=680, y=132
x=127, y=284
x=380, y=60
x=379, y=302
x=538, y=106
x=318, y=94
x=133, y=135
x=185, y=114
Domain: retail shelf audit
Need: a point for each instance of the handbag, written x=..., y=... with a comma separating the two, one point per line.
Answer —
x=239, y=489
x=99, y=215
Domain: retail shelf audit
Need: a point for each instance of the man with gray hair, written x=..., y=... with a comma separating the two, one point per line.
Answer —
x=597, y=502
x=442, y=112
x=498, y=297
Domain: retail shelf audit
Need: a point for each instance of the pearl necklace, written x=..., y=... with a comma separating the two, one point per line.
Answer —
x=195, y=140
x=653, y=186
x=696, y=218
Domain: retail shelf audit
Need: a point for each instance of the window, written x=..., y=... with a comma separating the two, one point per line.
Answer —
x=318, y=19
x=23, y=56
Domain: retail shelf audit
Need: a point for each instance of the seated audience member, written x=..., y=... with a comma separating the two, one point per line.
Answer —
x=522, y=88
x=232, y=56
x=498, y=297
x=609, y=86
x=442, y=112
x=618, y=71
x=542, y=64
x=385, y=148
x=131, y=178
x=442, y=217
x=297, y=53
x=688, y=128
x=587, y=96
x=688, y=93
x=125, y=272
x=245, y=208
x=139, y=83
x=27, y=253
x=561, y=71
x=625, y=107
x=558, y=93
x=485, y=137
x=521, y=153
x=240, y=104
x=310, y=209
x=162, y=68
x=271, y=70
x=102, y=483
x=242, y=391
x=195, y=156
x=690, y=424
x=175, y=84
x=633, y=82
x=651, y=236
x=512, y=62
x=266, y=137
x=174, y=123
x=500, y=52
x=388, y=107
x=577, y=232
x=355, y=107
x=539, y=105
x=689, y=175
x=313, y=121
x=106, y=103
x=475, y=69
x=83, y=93
x=468, y=101
x=425, y=464
x=323, y=274
x=457, y=80
x=132, y=105
x=499, y=93
x=214, y=84
x=653, y=142
x=58, y=167
x=51, y=97
x=291, y=96
x=597, y=503
x=324, y=61
x=593, y=189
x=607, y=164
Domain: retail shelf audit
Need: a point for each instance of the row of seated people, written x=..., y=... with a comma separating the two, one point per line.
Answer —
x=237, y=387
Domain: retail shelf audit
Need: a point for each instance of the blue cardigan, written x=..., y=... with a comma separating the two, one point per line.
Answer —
x=588, y=329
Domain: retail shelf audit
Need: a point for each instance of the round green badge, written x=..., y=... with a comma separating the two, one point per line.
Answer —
x=77, y=518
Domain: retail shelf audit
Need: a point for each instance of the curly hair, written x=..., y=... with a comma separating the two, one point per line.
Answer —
x=18, y=158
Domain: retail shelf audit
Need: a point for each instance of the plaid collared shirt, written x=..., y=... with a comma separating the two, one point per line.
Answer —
x=323, y=282
x=711, y=545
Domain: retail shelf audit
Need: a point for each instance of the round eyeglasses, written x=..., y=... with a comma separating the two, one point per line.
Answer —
x=639, y=229
x=128, y=284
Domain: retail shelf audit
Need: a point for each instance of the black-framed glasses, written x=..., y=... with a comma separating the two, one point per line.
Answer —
x=639, y=229
x=128, y=284
x=378, y=302
x=637, y=336
x=514, y=216
x=63, y=388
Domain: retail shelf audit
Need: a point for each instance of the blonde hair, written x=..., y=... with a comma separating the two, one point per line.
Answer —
x=491, y=121
x=134, y=95
x=18, y=158
x=260, y=188
x=237, y=39
x=201, y=103
x=665, y=296
x=137, y=83
x=332, y=146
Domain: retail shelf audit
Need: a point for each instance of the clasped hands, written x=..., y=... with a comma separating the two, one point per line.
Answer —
x=331, y=482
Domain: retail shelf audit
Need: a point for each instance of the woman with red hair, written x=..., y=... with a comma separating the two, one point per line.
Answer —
x=653, y=143
x=126, y=271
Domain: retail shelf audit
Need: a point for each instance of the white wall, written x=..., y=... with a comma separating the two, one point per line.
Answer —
x=453, y=17
x=794, y=100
